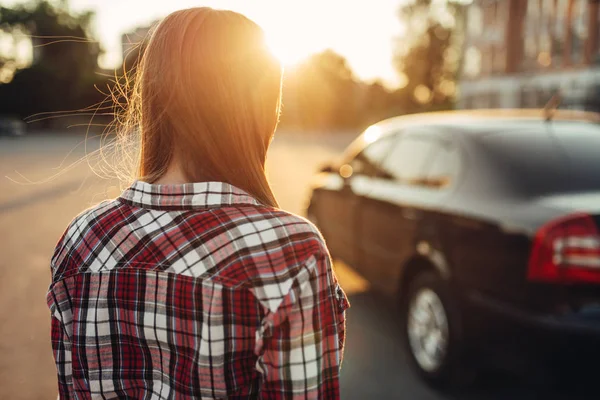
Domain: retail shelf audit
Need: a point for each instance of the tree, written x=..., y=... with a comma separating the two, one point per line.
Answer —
x=428, y=54
x=321, y=93
x=65, y=60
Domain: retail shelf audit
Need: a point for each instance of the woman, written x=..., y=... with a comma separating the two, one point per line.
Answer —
x=193, y=284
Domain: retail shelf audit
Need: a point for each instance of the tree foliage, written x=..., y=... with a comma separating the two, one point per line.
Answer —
x=320, y=93
x=428, y=54
x=323, y=94
x=62, y=74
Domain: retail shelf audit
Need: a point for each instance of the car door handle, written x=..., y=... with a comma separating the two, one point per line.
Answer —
x=411, y=214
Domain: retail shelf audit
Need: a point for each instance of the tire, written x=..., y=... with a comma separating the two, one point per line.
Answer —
x=433, y=346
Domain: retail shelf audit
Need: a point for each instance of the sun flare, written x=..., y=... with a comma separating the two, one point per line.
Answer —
x=290, y=49
x=295, y=33
x=294, y=30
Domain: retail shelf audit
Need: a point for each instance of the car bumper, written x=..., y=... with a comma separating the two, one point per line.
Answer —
x=581, y=324
x=571, y=340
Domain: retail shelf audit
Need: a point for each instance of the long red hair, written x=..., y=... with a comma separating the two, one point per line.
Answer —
x=207, y=95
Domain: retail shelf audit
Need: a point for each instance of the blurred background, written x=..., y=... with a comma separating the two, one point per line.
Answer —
x=348, y=64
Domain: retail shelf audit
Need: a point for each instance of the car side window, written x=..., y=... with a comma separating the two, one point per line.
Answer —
x=408, y=159
x=444, y=167
x=368, y=162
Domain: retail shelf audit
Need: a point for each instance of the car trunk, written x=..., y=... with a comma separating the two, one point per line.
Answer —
x=564, y=262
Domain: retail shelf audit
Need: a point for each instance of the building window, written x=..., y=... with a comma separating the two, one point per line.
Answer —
x=562, y=7
x=533, y=10
x=475, y=18
x=532, y=32
x=472, y=62
x=547, y=10
x=579, y=31
x=559, y=31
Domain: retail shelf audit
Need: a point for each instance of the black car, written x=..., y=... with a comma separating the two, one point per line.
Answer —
x=484, y=226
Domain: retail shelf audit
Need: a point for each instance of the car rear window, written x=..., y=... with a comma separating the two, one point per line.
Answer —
x=545, y=158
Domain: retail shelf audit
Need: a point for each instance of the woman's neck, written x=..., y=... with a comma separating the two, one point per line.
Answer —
x=173, y=176
x=176, y=176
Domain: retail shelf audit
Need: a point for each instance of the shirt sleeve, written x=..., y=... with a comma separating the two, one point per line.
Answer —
x=61, y=347
x=303, y=340
x=61, y=342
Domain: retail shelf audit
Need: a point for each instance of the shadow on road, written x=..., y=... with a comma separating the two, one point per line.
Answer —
x=376, y=365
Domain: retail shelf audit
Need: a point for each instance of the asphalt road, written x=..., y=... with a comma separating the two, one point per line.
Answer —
x=45, y=182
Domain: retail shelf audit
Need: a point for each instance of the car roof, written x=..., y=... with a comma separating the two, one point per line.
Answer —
x=469, y=123
x=485, y=121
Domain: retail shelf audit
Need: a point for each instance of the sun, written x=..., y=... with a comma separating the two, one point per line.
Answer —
x=287, y=35
x=289, y=50
x=294, y=32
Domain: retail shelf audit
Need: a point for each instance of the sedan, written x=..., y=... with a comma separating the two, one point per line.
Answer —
x=482, y=226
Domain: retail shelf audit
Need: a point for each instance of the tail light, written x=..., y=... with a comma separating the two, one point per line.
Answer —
x=566, y=250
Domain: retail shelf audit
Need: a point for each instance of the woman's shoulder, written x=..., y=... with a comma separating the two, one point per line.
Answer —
x=281, y=234
x=90, y=216
x=80, y=226
x=273, y=224
x=286, y=252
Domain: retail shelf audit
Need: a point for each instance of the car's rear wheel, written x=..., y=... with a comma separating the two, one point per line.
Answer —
x=432, y=331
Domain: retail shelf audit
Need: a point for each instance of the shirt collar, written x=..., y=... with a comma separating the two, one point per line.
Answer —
x=185, y=196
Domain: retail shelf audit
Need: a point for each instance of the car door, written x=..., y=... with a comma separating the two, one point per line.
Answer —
x=387, y=218
x=339, y=208
x=396, y=215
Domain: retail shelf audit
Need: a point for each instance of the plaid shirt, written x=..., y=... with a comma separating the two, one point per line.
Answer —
x=194, y=291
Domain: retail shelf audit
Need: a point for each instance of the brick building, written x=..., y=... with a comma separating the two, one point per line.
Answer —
x=518, y=53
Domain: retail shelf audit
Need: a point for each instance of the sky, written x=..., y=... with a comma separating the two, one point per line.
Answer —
x=363, y=31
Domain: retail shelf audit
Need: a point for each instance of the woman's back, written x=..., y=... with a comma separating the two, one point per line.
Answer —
x=193, y=284
x=194, y=291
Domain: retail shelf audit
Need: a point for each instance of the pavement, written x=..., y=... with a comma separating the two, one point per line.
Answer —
x=45, y=180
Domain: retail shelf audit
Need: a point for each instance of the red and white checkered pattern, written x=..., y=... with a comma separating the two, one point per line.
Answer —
x=194, y=291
